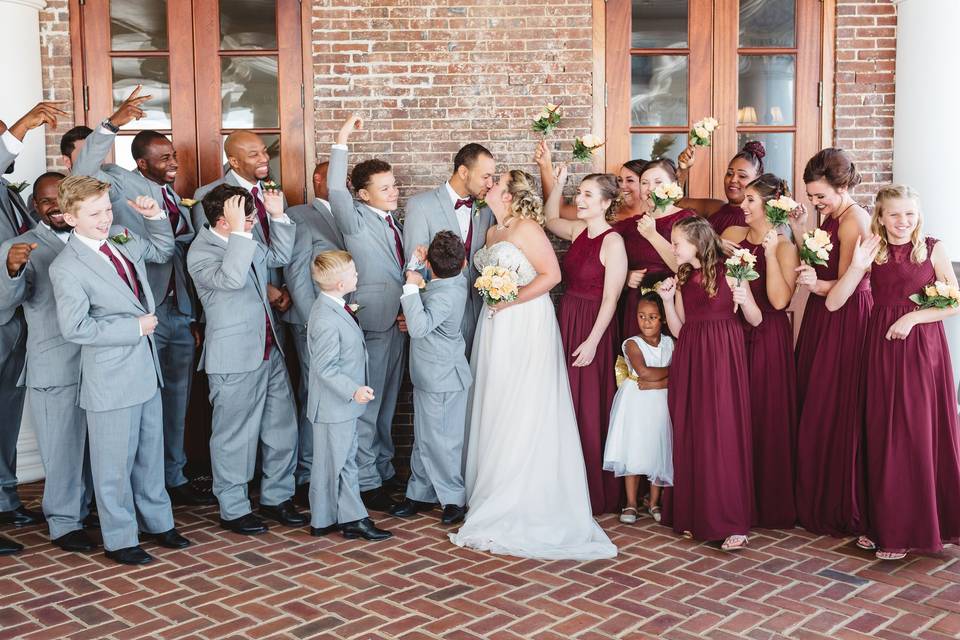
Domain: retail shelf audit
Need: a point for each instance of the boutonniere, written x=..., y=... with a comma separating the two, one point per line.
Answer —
x=354, y=307
x=187, y=202
x=18, y=187
x=478, y=204
x=121, y=238
x=271, y=185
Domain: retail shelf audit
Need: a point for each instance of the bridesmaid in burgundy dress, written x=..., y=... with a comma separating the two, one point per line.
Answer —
x=773, y=395
x=594, y=269
x=708, y=395
x=646, y=237
x=913, y=454
x=743, y=169
x=830, y=491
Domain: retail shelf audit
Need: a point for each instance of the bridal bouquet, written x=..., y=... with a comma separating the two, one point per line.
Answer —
x=548, y=119
x=701, y=132
x=497, y=284
x=816, y=247
x=778, y=210
x=741, y=265
x=584, y=147
x=938, y=295
x=665, y=195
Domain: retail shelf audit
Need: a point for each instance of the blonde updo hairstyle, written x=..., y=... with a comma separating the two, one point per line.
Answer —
x=527, y=203
x=895, y=192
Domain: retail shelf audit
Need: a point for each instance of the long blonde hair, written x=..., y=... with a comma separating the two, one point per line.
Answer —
x=709, y=251
x=890, y=192
x=526, y=203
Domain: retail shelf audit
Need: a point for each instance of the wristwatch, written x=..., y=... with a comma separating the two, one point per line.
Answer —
x=109, y=126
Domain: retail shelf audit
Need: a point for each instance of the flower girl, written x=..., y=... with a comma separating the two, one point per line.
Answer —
x=639, y=442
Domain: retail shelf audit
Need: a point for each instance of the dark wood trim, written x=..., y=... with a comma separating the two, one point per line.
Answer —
x=828, y=35
x=767, y=128
x=726, y=40
x=766, y=51
x=309, y=135
x=617, y=121
x=700, y=86
x=598, y=110
x=206, y=69
x=182, y=88
x=76, y=62
x=807, y=113
x=289, y=69
x=667, y=51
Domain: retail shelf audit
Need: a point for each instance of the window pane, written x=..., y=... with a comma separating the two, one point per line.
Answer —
x=248, y=89
x=154, y=75
x=272, y=142
x=659, y=24
x=767, y=85
x=647, y=146
x=779, y=158
x=248, y=24
x=121, y=152
x=659, y=91
x=138, y=26
x=767, y=23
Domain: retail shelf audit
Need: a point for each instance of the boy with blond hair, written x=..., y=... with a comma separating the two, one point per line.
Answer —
x=337, y=397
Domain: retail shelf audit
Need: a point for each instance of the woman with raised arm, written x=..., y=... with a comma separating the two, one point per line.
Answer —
x=743, y=168
x=594, y=270
x=830, y=491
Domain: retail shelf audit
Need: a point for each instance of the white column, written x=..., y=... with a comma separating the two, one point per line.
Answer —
x=925, y=123
x=20, y=51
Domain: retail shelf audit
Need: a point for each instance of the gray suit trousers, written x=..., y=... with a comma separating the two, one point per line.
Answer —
x=334, y=486
x=438, y=430
x=175, y=350
x=61, y=428
x=14, y=335
x=251, y=409
x=126, y=457
x=305, y=451
x=374, y=427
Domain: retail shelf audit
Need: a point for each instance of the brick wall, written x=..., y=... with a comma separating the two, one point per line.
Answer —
x=864, y=83
x=56, y=69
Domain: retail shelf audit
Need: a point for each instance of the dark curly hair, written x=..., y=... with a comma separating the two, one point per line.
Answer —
x=364, y=171
x=213, y=202
x=446, y=254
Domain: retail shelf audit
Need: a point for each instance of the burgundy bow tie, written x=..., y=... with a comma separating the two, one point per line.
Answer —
x=464, y=202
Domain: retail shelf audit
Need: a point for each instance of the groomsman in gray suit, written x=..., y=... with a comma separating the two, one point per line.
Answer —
x=105, y=304
x=316, y=232
x=441, y=381
x=338, y=396
x=52, y=370
x=14, y=221
x=249, y=168
x=456, y=206
x=177, y=334
x=249, y=387
x=373, y=238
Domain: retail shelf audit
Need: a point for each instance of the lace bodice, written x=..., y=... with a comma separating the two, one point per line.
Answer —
x=505, y=254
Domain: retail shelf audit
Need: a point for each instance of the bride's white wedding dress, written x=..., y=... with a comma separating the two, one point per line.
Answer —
x=525, y=479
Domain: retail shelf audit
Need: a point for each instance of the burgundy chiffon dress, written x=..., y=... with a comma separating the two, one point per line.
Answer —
x=913, y=455
x=593, y=386
x=709, y=401
x=729, y=215
x=773, y=405
x=830, y=486
x=642, y=255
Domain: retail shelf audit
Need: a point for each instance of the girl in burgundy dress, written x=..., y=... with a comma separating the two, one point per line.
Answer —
x=708, y=392
x=830, y=491
x=594, y=269
x=646, y=238
x=773, y=400
x=744, y=168
x=913, y=455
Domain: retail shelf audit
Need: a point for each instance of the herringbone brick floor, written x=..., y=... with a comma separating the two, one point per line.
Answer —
x=286, y=584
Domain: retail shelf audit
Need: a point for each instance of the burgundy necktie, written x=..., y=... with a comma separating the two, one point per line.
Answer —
x=134, y=286
x=396, y=239
x=464, y=202
x=468, y=242
x=24, y=227
x=261, y=213
x=268, y=341
x=350, y=312
x=173, y=212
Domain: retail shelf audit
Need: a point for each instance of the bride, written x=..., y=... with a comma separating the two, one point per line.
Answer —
x=525, y=479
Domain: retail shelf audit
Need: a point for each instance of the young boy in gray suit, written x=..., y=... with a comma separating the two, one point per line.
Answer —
x=441, y=379
x=104, y=304
x=337, y=396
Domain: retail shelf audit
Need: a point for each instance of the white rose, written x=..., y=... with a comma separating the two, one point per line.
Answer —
x=589, y=140
x=709, y=124
x=552, y=107
x=942, y=289
x=543, y=115
x=823, y=255
x=701, y=132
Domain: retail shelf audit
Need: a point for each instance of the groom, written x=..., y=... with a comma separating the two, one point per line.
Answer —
x=456, y=205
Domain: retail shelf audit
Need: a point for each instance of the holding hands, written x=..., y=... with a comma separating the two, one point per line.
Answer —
x=145, y=206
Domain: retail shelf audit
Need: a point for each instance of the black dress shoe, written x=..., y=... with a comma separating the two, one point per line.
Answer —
x=8, y=546
x=21, y=517
x=317, y=532
x=248, y=525
x=377, y=500
x=170, y=539
x=392, y=485
x=409, y=508
x=284, y=513
x=92, y=521
x=301, y=497
x=363, y=529
x=187, y=494
x=453, y=514
x=129, y=555
x=76, y=540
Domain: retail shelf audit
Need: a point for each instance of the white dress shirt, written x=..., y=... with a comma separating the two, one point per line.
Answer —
x=463, y=212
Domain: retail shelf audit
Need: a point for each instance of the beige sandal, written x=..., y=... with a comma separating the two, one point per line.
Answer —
x=655, y=513
x=628, y=515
